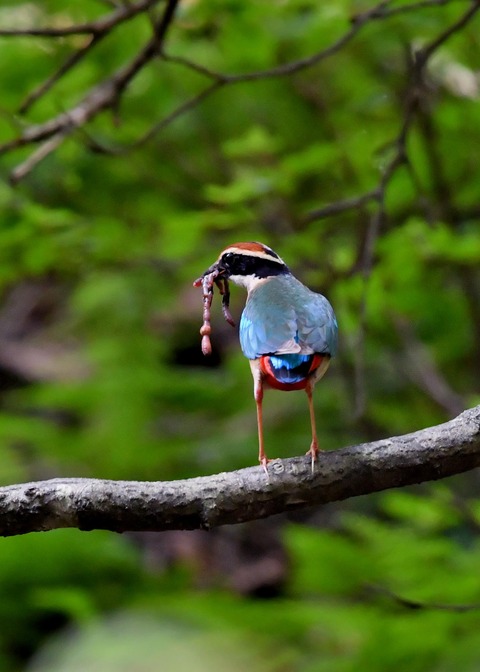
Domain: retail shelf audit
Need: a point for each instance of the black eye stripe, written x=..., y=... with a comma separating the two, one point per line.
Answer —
x=228, y=259
x=245, y=264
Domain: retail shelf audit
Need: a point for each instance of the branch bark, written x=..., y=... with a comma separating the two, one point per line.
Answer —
x=239, y=496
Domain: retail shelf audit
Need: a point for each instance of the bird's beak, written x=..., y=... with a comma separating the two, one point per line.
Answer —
x=216, y=270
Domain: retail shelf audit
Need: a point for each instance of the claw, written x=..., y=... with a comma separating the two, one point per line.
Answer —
x=264, y=462
x=313, y=451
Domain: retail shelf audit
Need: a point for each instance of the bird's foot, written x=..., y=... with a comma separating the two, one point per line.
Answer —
x=263, y=459
x=313, y=451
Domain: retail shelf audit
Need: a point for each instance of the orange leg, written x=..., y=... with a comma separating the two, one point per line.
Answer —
x=314, y=445
x=262, y=458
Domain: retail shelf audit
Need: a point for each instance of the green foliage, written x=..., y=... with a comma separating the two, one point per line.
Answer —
x=57, y=578
x=387, y=591
x=103, y=374
x=366, y=594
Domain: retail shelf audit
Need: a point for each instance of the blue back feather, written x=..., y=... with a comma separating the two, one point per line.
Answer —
x=282, y=314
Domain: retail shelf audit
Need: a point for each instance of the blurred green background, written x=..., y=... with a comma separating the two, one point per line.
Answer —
x=101, y=372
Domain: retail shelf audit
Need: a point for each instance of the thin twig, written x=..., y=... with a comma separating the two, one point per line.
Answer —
x=192, y=102
x=417, y=605
x=177, y=112
x=285, y=69
x=102, y=25
x=387, y=12
x=99, y=30
x=424, y=54
x=338, y=207
x=71, y=61
x=103, y=96
x=379, y=11
x=49, y=146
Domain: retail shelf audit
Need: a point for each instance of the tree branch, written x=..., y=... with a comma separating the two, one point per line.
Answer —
x=412, y=102
x=107, y=94
x=102, y=25
x=238, y=496
x=96, y=30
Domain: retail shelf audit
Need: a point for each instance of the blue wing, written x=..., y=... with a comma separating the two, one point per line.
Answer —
x=282, y=316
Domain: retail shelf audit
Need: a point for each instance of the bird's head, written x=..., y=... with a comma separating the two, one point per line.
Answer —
x=246, y=264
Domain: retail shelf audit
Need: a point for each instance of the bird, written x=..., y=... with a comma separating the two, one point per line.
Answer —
x=287, y=332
